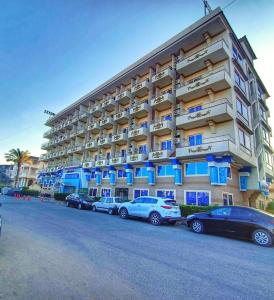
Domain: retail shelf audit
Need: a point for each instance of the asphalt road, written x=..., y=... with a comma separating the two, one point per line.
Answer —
x=48, y=251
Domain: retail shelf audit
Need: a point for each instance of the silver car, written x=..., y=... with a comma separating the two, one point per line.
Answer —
x=108, y=204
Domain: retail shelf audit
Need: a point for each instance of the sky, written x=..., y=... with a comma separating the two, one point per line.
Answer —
x=52, y=52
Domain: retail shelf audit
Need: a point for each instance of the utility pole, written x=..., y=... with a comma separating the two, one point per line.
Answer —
x=207, y=7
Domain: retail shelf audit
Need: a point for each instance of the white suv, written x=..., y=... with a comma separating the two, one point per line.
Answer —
x=154, y=209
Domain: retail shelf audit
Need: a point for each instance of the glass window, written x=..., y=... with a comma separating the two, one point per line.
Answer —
x=105, y=174
x=194, y=140
x=227, y=199
x=196, y=168
x=121, y=173
x=105, y=192
x=244, y=139
x=222, y=211
x=166, y=145
x=195, y=108
x=149, y=200
x=170, y=194
x=143, y=149
x=141, y=172
x=200, y=198
x=239, y=81
x=140, y=192
x=166, y=118
x=242, y=109
x=165, y=170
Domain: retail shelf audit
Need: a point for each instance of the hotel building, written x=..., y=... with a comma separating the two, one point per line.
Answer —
x=189, y=120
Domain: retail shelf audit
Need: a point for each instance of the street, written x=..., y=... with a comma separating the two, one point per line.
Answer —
x=49, y=251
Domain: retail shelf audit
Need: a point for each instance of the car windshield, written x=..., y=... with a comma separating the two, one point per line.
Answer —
x=171, y=202
x=118, y=200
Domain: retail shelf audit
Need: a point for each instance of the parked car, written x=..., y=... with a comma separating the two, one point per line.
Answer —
x=14, y=191
x=80, y=201
x=0, y=222
x=243, y=222
x=156, y=210
x=108, y=204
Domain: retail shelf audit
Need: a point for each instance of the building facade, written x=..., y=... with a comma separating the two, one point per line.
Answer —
x=187, y=121
x=28, y=172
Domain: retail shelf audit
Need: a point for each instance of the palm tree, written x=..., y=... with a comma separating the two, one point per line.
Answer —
x=18, y=157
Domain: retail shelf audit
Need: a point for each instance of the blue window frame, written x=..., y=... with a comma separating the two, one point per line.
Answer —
x=194, y=140
x=165, y=170
x=239, y=81
x=108, y=155
x=143, y=149
x=105, y=192
x=92, y=175
x=143, y=124
x=198, y=168
x=195, y=108
x=165, y=194
x=105, y=174
x=166, y=145
x=166, y=118
x=140, y=193
x=141, y=172
x=121, y=174
x=123, y=152
x=200, y=198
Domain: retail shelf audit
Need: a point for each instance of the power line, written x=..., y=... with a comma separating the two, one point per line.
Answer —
x=230, y=3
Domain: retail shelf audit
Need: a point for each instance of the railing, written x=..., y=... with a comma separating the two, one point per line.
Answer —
x=211, y=140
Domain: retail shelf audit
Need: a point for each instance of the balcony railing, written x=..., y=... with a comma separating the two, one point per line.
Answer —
x=123, y=98
x=164, y=77
x=109, y=104
x=121, y=117
x=83, y=115
x=94, y=127
x=91, y=145
x=159, y=155
x=140, y=89
x=161, y=127
x=163, y=102
x=101, y=163
x=96, y=110
x=115, y=161
x=120, y=138
x=88, y=163
x=138, y=134
x=139, y=110
x=136, y=158
x=218, y=111
x=216, y=52
x=216, y=80
x=104, y=142
x=106, y=122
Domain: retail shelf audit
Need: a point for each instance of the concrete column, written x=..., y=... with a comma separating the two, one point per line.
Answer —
x=207, y=38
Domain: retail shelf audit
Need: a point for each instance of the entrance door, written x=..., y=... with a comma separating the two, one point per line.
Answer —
x=122, y=193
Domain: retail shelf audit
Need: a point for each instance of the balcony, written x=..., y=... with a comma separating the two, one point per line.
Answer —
x=73, y=163
x=159, y=155
x=217, y=80
x=219, y=145
x=75, y=118
x=116, y=161
x=91, y=145
x=215, y=53
x=77, y=148
x=163, y=78
x=136, y=158
x=140, y=89
x=94, y=128
x=139, y=110
x=81, y=131
x=45, y=145
x=62, y=152
x=120, y=138
x=67, y=123
x=96, y=111
x=83, y=115
x=123, y=98
x=161, y=127
x=106, y=122
x=101, y=163
x=104, y=142
x=162, y=102
x=109, y=104
x=88, y=163
x=217, y=111
x=138, y=134
x=121, y=117
x=48, y=133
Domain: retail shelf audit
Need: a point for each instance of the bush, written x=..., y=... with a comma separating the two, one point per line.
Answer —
x=191, y=209
x=31, y=193
x=60, y=196
x=270, y=207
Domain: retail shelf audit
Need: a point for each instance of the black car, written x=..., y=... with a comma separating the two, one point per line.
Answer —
x=242, y=222
x=81, y=201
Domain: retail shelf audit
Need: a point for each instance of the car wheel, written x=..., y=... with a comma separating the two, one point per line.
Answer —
x=93, y=208
x=123, y=213
x=262, y=238
x=197, y=226
x=155, y=219
x=79, y=206
x=67, y=204
x=110, y=211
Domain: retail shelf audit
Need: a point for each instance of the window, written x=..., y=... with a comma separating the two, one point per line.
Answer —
x=166, y=145
x=123, y=152
x=170, y=194
x=242, y=109
x=195, y=108
x=105, y=192
x=166, y=118
x=227, y=199
x=139, y=193
x=125, y=130
x=239, y=81
x=105, y=174
x=199, y=168
x=121, y=173
x=142, y=149
x=165, y=170
x=262, y=113
x=143, y=124
x=194, y=140
x=200, y=198
x=266, y=136
x=92, y=175
x=149, y=200
x=141, y=172
x=221, y=212
x=237, y=56
x=244, y=139
x=93, y=192
x=268, y=159
x=218, y=175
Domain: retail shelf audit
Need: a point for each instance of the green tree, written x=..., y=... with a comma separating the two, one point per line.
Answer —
x=18, y=157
